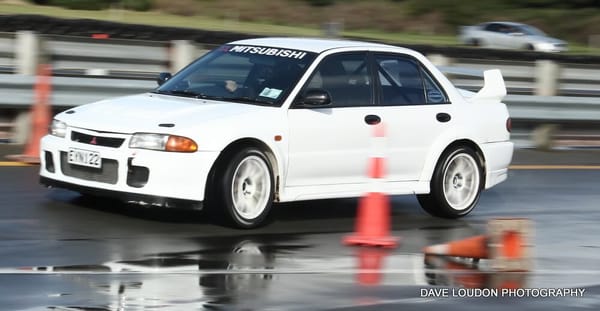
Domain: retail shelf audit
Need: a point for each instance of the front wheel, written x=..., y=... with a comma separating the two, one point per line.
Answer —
x=247, y=188
x=456, y=184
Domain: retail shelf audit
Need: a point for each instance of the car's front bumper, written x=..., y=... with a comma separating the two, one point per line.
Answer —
x=127, y=173
x=128, y=197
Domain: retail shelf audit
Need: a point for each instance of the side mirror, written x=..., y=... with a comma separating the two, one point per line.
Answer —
x=315, y=98
x=163, y=77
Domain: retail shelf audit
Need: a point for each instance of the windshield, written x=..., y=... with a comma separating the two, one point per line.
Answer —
x=241, y=73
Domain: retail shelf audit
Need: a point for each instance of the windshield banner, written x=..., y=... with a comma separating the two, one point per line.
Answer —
x=267, y=51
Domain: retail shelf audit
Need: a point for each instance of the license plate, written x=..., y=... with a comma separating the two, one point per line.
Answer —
x=85, y=158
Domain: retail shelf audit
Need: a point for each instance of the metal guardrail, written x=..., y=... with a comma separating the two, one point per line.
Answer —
x=74, y=91
x=86, y=70
x=67, y=91
x=7, y=56
x=78, y=56
x=520, y=76
x=553, y=108
x=137, y=59
x=68, y=53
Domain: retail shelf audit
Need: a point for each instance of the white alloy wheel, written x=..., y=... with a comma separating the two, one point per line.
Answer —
x=242, y=189
x=456, y=184
x=251, y=187
x=461, y=181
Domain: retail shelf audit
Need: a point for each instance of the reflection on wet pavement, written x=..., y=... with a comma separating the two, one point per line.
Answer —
x=75, y=254
x=466, y=273
x=236, y=271
x=218, y=275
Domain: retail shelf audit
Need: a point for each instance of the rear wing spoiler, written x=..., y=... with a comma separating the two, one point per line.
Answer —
x=494, y=89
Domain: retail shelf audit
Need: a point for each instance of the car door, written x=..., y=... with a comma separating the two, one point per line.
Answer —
x=329, y=145
x=415, y=110
x=514, y=37
x=495, y=36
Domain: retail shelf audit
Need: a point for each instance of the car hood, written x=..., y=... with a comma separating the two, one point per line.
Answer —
x=144, y=113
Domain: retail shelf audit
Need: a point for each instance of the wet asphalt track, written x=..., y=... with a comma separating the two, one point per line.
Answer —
x=61, y=251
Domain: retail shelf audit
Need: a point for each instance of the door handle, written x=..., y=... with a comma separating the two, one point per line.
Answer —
x=372, y=119
x=443, y=117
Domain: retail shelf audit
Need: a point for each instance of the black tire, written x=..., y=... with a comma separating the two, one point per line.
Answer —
x=447, y=203
x=235, y=190
x=475, y=42
x=529, y=47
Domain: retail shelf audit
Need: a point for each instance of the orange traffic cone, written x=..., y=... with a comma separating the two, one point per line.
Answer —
x=369, y=265
x=474, y=247
x=40, y=117
x=507, y=244
x=373, y=219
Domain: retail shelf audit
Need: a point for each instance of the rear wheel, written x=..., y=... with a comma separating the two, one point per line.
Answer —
x=456, y=184
x=246, y=188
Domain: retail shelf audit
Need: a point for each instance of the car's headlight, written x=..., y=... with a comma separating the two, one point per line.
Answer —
x=162, y=142
x=58, y=128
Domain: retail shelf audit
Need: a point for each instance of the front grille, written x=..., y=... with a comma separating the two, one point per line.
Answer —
x=112, y=142
x=107, y=174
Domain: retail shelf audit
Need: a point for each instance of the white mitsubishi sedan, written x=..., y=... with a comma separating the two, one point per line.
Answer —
x=268, y=120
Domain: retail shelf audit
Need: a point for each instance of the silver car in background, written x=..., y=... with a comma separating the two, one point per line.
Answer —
x=510, y=35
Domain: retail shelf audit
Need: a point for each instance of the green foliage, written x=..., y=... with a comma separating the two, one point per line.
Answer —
x=82, y=4
x=137, y=5
x=320, y=2
x=573, y=20
x=455, y=13
x=465, y=7
x=555, y=4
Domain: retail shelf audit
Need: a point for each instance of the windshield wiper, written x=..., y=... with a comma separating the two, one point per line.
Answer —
x=246, y=99
x=185, y=93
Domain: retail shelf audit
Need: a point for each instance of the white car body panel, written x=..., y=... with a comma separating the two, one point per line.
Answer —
x=312, y=135
x=408, y=152
x=321, y=153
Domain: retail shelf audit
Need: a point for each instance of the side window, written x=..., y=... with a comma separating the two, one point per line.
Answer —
x=404, y=82
x=504, y=29
x=346, y=79
x=493, y=27
x=433, y=92
x=400, y=81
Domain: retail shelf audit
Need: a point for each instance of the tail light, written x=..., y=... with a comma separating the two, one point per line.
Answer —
x=509, y=124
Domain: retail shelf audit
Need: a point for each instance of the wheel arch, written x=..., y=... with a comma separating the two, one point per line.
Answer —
x=475, y=41
x=434, y=159
x=237, y=145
